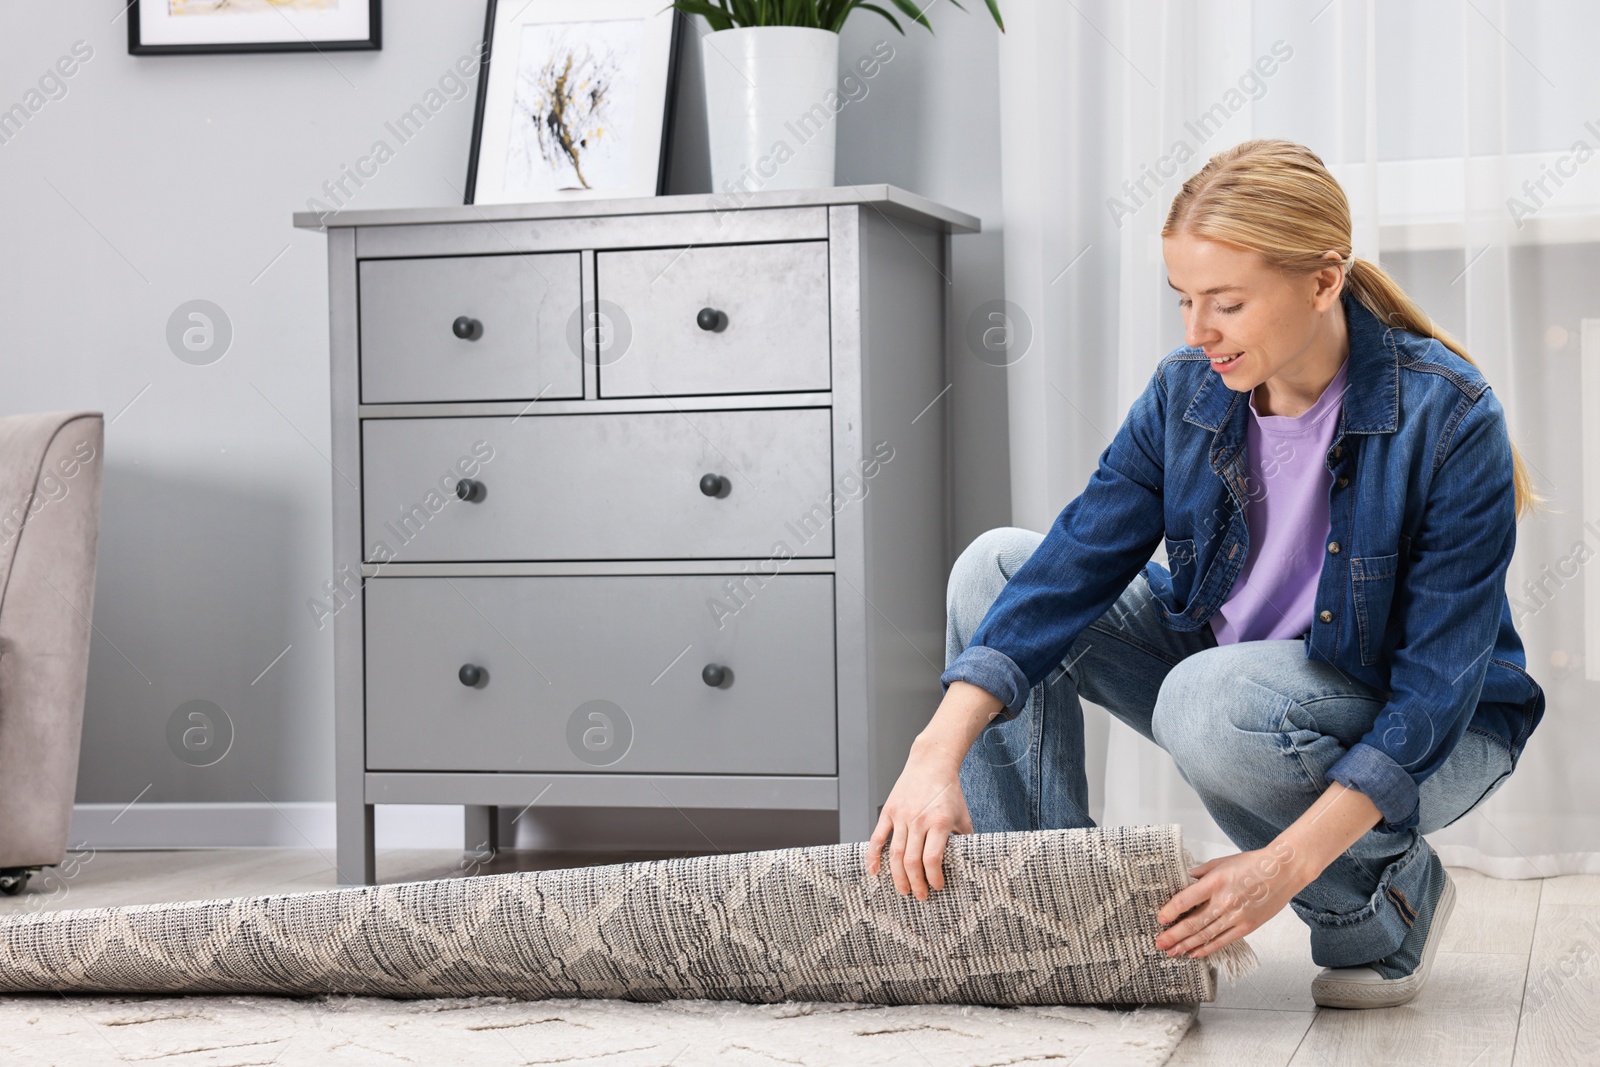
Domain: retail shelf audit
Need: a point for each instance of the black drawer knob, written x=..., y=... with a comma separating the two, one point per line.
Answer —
x=711, y=319
x=473, y=676
x=468, y=329
x=713, y=485
x=715, y=675
x=471, y=491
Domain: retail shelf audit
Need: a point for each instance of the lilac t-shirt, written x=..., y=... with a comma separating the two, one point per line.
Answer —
x=1286, y=511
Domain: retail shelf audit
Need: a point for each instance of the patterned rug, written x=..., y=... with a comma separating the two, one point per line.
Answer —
x=1054, y=917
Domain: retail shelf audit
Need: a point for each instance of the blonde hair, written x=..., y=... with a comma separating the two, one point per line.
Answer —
x=1276, y=198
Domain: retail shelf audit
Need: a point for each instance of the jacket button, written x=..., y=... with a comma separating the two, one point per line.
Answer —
x=1344, y=480
x=1333, y=546
x=1338, y=450
x=1326, y=616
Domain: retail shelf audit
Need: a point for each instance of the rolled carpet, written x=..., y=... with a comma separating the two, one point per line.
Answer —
x=1032, y=917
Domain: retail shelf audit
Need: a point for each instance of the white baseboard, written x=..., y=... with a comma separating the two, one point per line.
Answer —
x=311, y=825
x=256, y=825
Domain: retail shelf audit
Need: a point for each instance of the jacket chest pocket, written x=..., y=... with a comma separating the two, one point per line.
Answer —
x=1372, y=579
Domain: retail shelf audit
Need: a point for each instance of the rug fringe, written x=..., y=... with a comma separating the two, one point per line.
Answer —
x=1235, y=959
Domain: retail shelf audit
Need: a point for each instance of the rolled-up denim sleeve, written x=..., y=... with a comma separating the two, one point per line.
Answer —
x=1447, y=608
x=1095, y=547
x=993, y=671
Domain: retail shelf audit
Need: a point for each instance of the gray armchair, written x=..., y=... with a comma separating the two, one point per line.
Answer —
x=50, y=475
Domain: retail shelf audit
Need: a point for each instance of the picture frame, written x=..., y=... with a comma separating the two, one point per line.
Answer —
x=585, y=145
x=210, y=27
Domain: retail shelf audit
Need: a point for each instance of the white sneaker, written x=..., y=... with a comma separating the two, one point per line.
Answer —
x=1363, y=987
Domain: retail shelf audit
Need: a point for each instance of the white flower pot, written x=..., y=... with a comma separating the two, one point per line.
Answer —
x=769, y=112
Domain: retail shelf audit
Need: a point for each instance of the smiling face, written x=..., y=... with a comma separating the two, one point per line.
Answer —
x=1286, y=334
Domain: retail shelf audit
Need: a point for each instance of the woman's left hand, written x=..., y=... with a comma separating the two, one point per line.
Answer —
x=1234, y=895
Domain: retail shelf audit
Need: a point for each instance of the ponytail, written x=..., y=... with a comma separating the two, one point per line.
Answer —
x=1382, y=295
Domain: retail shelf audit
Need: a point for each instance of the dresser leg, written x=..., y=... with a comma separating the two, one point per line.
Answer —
x=855, y=824
x=354, y=856
x=482, y=825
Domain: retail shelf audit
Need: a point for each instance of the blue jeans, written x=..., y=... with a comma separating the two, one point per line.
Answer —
x=1253, y=727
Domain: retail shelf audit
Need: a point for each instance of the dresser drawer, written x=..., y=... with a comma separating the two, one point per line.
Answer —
x=470, y=328
x=770, y=332
x=601, y=673
x=603, y=486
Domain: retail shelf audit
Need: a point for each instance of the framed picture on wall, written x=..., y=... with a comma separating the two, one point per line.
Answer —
x=574, y=100
x=178, y=27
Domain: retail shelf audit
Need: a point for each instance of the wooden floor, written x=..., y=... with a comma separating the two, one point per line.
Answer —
x=1516, y=982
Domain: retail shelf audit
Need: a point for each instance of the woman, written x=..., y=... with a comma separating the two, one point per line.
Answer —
x=1330, y=660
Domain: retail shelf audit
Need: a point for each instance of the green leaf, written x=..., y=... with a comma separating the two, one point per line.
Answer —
x=911, y=12
x=716, y=17
x=803, y=13
x=885, y=14
x=994, y=9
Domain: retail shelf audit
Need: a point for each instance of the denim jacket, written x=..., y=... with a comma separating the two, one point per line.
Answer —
x=1411, y=599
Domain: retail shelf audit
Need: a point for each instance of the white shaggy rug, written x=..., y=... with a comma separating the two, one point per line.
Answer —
x=237, y=1030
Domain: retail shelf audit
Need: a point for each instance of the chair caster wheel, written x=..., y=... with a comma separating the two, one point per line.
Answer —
x=14, y=879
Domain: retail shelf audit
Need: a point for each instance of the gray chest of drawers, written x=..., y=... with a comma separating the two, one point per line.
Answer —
x=636, y=503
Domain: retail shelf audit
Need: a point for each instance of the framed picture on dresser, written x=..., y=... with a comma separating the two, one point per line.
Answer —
x=178, y=27
x=574, y=100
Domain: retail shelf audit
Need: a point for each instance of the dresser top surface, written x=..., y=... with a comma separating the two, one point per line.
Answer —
x=889, y=199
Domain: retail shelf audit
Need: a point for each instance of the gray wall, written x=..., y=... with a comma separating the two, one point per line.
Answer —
x=153, y=181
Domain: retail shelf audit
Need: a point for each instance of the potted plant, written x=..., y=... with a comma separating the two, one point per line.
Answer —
x=773, y=85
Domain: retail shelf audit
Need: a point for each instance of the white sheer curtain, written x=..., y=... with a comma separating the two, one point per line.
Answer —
x=1432, y=114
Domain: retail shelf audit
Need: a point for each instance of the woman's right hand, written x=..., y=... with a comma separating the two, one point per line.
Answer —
x=926, y=805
